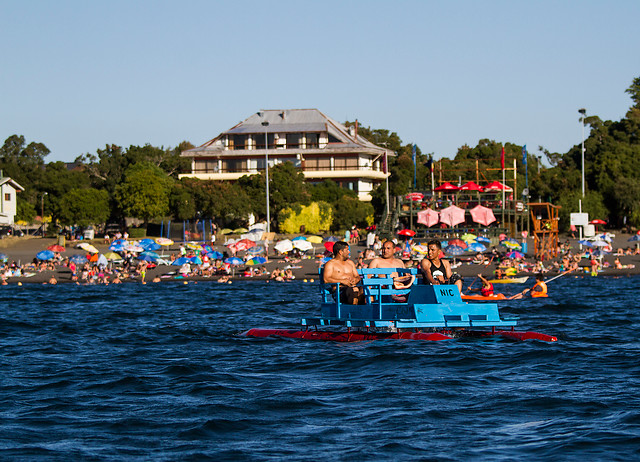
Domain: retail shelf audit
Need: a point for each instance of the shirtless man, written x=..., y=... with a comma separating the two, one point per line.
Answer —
x=342, y=270
x=388, y=260
x=436, y=271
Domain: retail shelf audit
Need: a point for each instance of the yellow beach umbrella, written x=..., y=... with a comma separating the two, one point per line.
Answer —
x=112, y=256
x=314, y=239
x=226, y=231
x=88, y=247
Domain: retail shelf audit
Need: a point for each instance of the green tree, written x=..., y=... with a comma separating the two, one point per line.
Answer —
x=144, y=193
x=84, y=207
x=329, y=191
x=350, y=211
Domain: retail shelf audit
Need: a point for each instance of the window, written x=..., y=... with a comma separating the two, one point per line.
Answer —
x=234, y=165
x=293, y=140
x=7, y=197
x=312, y=140
x=345, y=163
x=317, y=163
x=239, y=141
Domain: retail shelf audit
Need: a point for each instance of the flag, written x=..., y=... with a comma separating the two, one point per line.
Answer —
x=502, y=159
x=429, y=164
x=384, y=163
x=524, y=155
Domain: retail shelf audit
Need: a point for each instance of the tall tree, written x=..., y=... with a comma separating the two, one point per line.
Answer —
x=144, y=193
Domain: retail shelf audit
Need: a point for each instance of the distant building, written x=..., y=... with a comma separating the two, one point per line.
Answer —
x=8, y=203
x=322, y=148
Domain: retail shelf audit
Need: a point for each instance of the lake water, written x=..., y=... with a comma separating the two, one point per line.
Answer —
x=159, y=372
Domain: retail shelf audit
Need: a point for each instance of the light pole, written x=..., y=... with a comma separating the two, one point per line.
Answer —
x=584, y=113
x=42, y=212
x=265, y=124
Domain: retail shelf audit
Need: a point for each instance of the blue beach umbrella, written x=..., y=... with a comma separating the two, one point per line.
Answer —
x=119, y=242
x=331, y=239
x=78, y=259
x=207, y=248
x=586, y=243
x=148, y=256
x=476, y=247
x=215, y=255
x=255, y=250
x=45, y=255
x=635, y=237
x=233, y=261
x=195, y=260
x=258, y=260
x=180, y=261
x=4, y=256
x=116, y=247
x=454, y=250
x=483, y=240
x=149, y=244
x=299, y=238
x=515, y=254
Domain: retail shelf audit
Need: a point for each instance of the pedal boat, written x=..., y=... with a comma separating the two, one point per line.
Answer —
x=423, y=312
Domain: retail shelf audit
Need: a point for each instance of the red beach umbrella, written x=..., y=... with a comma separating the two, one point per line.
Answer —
x=482, y=215
x=406, y=233
x=56, y=248
x=414, y=196
x=428, y=217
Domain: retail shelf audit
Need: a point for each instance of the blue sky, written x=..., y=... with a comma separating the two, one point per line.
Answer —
x=77, y=75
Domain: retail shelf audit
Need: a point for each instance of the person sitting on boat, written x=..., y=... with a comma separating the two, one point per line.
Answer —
x=487, y=288
x=436, y=271
x=343, y=271
x=387, y=259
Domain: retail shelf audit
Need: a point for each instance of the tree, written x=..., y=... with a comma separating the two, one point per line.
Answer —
x=144, y=193
x=84, y=207
x=350, y=211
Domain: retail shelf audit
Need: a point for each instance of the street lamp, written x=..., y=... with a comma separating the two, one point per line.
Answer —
x=42, y=212
x=584, y=113
x=265, y=124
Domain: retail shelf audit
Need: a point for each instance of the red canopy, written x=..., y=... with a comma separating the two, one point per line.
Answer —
x=598, y=222
x=446, y=187
x=471, y=186
x=496, y=186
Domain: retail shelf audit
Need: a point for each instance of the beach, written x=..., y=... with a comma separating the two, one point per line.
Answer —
x=23, y=250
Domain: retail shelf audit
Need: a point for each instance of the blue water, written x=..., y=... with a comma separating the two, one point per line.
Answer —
x=158, y=372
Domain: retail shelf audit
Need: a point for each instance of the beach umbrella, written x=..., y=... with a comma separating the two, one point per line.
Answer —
x=215, y=255
x=88, y=247
x=303, y=245
x=45, y=255
x=195, y=260
x=255, y=250
x=192, y=246
x=149, y=253
x=452, y=215
x=299, y=238
x=331, y=239
x=421, y=249
x=496, y=186
x=329, y=246
x=600, y=243
x=233, y=261
x=94, y=257
x=482, y=215
x=226, y=231
x=428, y=217
x=406, y=233
x=180, y=261
x=4, y=256
x=206, y=248
x=112, y=256
x=585, y=243
x=454, y=250
x=598, y=253
x=446, y=187
x=132, y=248
x=634, y=238
x=240, y=230
x=511, y=244
x=284, y=246
x=458, y=242
x=116, y=247
x=515, y=254
x=164, y=241
x=258, y=260
x=78, y=259
x=149, y=244
x=56, y=248
x=244, y=244
x=414, y=196
x=483, y=240
x=476, y=247
x=120, y=242
x=468, y=237
x=314, y=239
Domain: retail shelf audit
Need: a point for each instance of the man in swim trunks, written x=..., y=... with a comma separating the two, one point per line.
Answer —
x=436, y=271
x=387, y=259
x=342, y=270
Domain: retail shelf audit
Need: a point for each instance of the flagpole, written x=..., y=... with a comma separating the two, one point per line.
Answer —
x=503, y=185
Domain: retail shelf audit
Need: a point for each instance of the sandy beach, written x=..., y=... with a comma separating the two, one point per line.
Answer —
x=23, y=250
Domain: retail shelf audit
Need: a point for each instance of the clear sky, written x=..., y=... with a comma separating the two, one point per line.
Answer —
x=77, y=75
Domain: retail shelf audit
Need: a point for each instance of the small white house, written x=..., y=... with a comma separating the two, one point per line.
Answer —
x=8, y=203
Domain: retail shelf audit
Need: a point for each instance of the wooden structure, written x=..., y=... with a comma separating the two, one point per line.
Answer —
x=545, y=229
